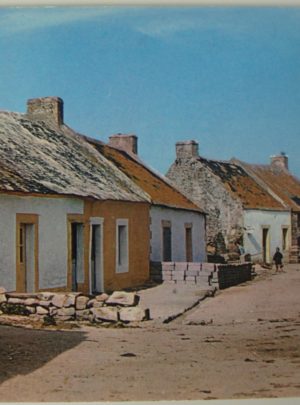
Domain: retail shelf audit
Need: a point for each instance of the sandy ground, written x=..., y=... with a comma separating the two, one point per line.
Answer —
x=242, y=343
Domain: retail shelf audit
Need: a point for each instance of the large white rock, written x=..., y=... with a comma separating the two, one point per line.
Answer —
x=2, y=298
x=45, y=304
x=132, y=314
x=102, y=297
x=123, y=298
x=45, y=296
x=15, y=301
x=66, y=311
x=2, y=290
x=41, y=310
x=81, y=302
x=70, y=300
x=31, y=310
x=31, y=301
x=58, y=300
x=110, y=314
x=91, y=302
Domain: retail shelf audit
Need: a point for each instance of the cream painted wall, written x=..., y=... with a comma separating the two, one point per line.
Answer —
x=178, y=219
x=254, y=221
x=52, y=237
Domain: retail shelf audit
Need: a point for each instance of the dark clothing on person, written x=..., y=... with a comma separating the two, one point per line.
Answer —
x=278, y=258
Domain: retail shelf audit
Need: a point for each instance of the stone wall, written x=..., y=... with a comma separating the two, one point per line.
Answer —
x=295, y=235
x=120, y=306
x=202, y=274
x=233, y=274
x=225, y=214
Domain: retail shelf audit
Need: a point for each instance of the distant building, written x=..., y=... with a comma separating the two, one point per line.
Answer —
x=241, y=209
x=277, y=180
x=177, y=225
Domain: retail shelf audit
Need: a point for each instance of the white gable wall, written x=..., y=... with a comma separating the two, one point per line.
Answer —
x=52, y=237
x=255, y=221
x=178, y=219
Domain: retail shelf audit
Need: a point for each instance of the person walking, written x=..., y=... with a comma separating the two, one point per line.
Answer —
x=277, y=258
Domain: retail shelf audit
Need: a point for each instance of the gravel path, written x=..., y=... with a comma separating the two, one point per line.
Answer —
x=243, y=343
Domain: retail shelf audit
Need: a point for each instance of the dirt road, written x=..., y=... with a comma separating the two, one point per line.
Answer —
x=243, y=343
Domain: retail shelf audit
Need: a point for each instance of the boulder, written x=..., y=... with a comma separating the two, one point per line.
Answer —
x=31, y=310
x=45, y=304
x=133, y=314
x=41, y=310
x=70, y=300
x=123, y=298
x=58, y=300
x=83, y=314
x=31, y=302
x=81, y=302
x=91, y=302
x=66, y=311
x=45, y=296
x=2, y=290
x=2, y=298
x=110, y=314
x=15, y=301
x=102, y=297
x=98, y=304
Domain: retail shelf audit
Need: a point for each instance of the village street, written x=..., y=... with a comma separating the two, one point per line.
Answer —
x=242, y=343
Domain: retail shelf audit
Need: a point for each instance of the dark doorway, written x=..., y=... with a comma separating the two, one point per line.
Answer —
x=167, y=244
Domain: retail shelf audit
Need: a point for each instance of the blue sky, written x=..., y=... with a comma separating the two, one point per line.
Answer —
x=226, y=77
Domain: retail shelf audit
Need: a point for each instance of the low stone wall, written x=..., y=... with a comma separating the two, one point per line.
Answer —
x=120, y=306
x=205, y=274
x=233, y=274
x=183, y=272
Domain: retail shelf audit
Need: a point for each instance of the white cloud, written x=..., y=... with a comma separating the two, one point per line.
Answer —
x=163, y=28
x=20, y=20
x=169, y=26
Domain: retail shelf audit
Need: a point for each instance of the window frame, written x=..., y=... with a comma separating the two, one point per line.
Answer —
x=124, y=266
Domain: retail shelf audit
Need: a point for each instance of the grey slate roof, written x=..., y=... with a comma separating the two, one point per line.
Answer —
x=40, y=157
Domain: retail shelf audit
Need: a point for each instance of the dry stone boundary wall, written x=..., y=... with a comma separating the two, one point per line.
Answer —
x=202, y=274
x=120, y=306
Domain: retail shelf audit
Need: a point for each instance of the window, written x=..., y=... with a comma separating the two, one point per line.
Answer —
x=284, y=238
x=21, y=242
x=188, y=243
x=122, y=246
x=77, y=254
x=167, y=242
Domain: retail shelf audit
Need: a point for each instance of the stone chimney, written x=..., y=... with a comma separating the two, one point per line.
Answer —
x=127, y=142
x=187, y=149
x=46, y=109
x=280, y=162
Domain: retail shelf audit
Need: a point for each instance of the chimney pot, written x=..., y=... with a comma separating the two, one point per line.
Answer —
x=46, y=109
x=126, y=142
x=187, y=149
x=280, y=162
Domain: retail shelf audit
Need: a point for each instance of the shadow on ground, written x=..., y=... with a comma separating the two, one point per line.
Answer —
x=24, y=350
